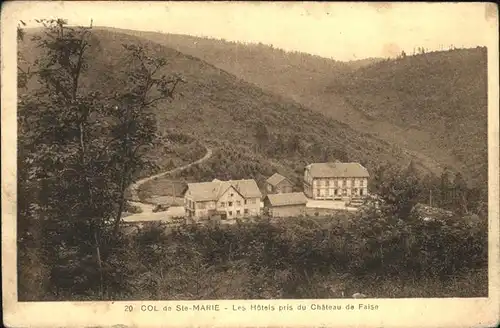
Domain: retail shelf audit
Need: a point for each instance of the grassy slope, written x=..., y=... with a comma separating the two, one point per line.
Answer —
x=382, y=99
x=217, y=107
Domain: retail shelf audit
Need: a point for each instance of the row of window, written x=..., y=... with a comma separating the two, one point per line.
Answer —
x=338, y=192
x=238, y=212
x=202, y=205
x=335, y=182
x=238, y=203
x=229, y=213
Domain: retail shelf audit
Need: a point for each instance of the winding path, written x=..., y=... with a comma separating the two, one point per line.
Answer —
x=147, y=209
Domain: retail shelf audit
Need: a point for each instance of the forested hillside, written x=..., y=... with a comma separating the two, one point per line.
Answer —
x=439, y=99
x=282, y=72
x=431, y=105
x=216, y=107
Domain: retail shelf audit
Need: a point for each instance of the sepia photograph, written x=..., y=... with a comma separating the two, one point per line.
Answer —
x=186, y=154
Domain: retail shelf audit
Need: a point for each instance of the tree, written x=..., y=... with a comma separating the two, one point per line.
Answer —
x=445, y=187
x=399, y=190
x=82, y=147
x=293, y=143
x=262, y=135
x=22, y=69
x=136, y=128
x=461, y=194
x=279, y=146
x=53, y=122
x=430, y=189
x=377, y=177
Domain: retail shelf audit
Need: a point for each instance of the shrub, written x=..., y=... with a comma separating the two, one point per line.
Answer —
x=132, y=208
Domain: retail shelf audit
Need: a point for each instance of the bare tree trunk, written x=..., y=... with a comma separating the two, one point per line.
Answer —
x=99, y=263
x=123, y=186
x=121, y=205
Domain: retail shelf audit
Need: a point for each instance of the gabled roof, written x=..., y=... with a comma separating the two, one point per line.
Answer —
x=293, y=198
x=247, y=188
x=338, y=170
x=275, y=179
x=203, y=191
x=208, y=191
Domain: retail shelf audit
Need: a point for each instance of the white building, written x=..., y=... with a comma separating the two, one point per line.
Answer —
x=342, y=181
x=229, y=199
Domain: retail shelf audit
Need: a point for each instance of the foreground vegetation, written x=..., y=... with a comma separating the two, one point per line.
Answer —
x=320, y=257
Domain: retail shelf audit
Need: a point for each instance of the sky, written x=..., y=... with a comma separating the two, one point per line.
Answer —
x=342, y=31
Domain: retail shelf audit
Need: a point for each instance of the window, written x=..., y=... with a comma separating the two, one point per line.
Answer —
x=245, y=202
x=230, y=204
x=336, y=181
x=245, y=211
x=238, y=212
x=335, y=192
x=361, y=182
x=232, y=194
x=238, y=203
x=344, y=182
x=327, y=183
x=317, y=192
x=352, y=182
x=230, y=213
x=223, y=204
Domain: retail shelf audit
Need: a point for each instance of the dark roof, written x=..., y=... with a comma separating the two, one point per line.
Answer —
x=293, y=198
x=275, y=179
x=338, y=170
x=206, y=191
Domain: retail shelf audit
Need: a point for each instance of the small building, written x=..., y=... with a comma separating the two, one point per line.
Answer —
x=277, y=184
x=223, y=199
x=343, y=181
x=285, y=204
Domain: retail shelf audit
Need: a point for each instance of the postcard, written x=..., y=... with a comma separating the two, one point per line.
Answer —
x=234, y=164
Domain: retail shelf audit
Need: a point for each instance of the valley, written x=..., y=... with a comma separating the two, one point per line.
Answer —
x=369, y=96
x=222, y=110
x=322, y=168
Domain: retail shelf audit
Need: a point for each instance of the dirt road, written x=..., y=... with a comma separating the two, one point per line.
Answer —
x=147, y=209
